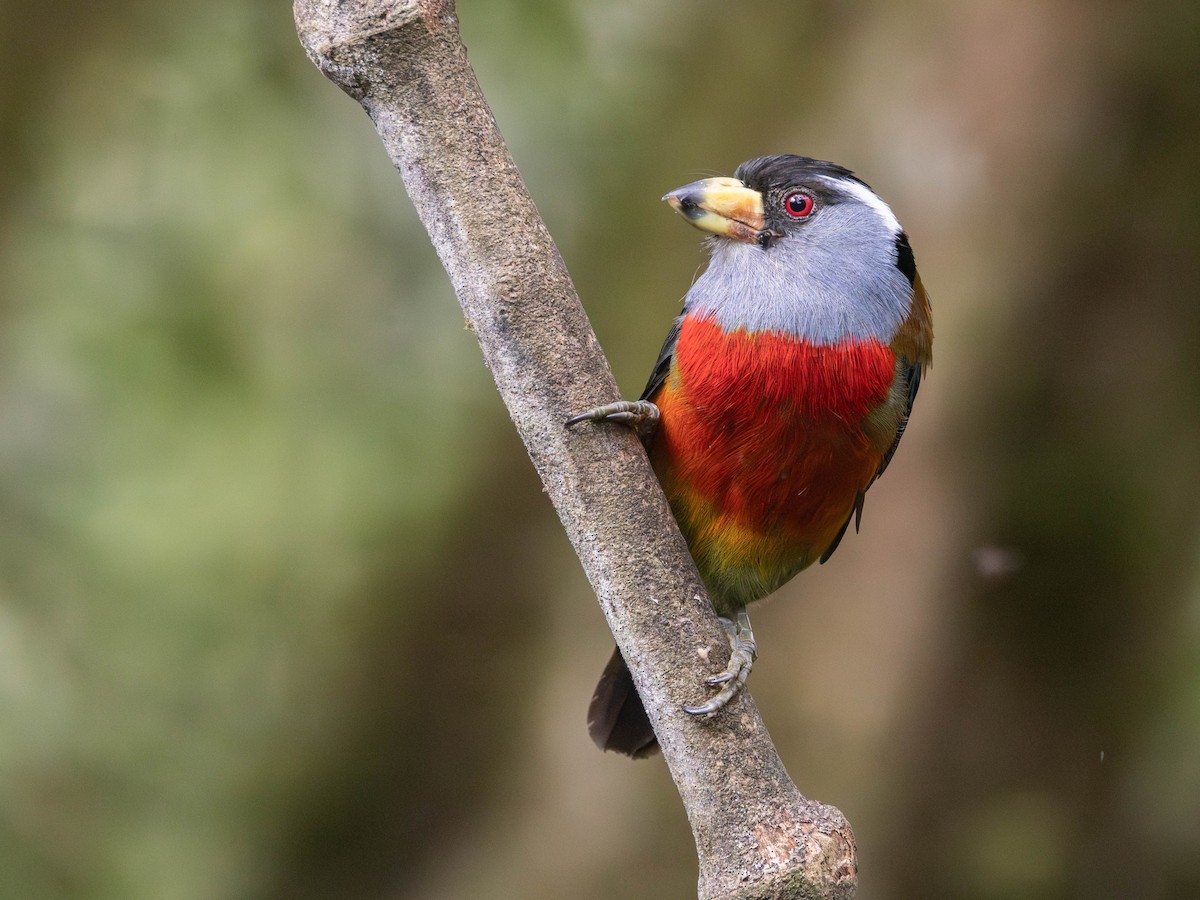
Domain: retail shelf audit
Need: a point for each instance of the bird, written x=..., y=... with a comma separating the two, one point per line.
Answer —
x=779, y=397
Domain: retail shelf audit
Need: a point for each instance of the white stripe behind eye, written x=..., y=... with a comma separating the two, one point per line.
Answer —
x=864, y=194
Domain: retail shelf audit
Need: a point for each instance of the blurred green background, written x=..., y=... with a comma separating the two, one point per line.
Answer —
x=283, y=610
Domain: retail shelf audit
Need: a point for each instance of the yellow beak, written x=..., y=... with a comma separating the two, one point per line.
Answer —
x=723, y=206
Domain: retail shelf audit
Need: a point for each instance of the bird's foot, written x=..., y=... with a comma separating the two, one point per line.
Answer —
x=741, y=661
x=639, y=414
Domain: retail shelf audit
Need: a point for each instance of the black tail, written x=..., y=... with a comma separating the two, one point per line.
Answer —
x=616, y=718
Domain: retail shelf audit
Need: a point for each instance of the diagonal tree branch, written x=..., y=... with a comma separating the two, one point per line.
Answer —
x=756, y=835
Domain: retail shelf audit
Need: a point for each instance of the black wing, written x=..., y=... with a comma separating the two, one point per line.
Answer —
x=663, y=364
x=661, y=368
x=912, y=373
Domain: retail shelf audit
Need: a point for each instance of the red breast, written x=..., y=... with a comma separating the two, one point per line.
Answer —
x=766, y=440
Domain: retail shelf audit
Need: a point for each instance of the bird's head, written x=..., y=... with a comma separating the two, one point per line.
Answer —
x=799, y=245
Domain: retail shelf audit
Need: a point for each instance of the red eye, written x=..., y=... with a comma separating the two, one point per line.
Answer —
x=798, y=205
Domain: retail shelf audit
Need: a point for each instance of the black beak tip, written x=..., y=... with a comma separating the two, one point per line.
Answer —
x=686, y=203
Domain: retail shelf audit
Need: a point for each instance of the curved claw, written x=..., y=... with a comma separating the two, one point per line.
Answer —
x=714, y=704
x=741, y=661
x=639, y=414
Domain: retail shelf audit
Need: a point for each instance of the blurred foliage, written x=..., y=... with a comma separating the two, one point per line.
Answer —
x=282, y=610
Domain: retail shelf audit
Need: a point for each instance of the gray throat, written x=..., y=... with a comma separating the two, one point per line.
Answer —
x=801, y=285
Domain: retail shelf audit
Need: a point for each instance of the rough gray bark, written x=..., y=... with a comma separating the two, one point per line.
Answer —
x=756, y=835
